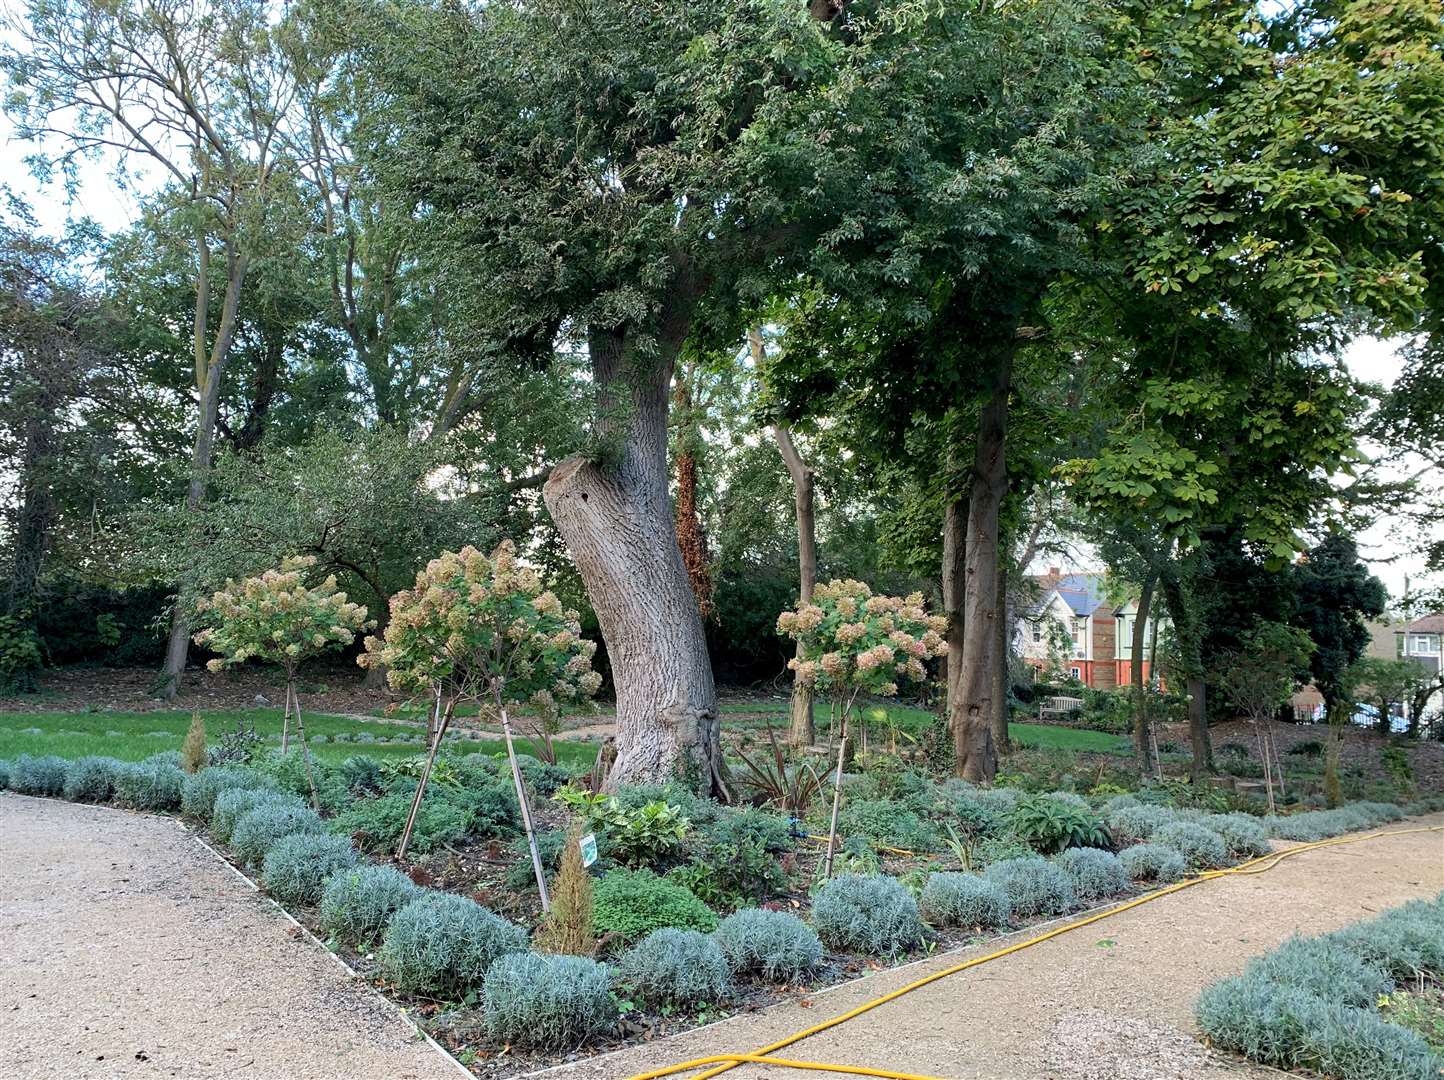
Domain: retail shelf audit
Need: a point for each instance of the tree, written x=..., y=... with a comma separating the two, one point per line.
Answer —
x=1259, y=677
x=482, y=629
x=278, y=619
x=1336, y=594
x=626, y=235
x=1388, y=683
x=197, y=93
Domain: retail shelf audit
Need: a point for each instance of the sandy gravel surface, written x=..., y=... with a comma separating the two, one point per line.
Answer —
x=1111, y=1001
x=128, y=950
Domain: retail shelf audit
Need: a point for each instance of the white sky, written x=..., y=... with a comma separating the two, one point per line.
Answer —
x=1387, y=544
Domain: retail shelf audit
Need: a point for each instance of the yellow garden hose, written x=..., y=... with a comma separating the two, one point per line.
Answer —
x=717, y=1064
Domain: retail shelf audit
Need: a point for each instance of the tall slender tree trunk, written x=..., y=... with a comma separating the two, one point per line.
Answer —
x=209, y=370
x=801, y=731
x=617, y=522
x=1140, y=694
x=972, y=709
x=691, y=537
x=955, y=531
x=1001, y=739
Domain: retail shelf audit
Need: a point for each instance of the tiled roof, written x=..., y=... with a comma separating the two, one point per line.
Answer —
x=1081, y=592
x=1429, y=624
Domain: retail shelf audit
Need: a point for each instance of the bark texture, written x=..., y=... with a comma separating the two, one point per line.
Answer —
x=617, y=523
x=1001, y=623
x=210, y=367
x=801, y=730
x=1140, y=697
x=973, y=707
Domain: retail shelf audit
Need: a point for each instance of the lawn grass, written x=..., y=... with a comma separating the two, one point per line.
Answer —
x=133, y=736
x=1052, y=737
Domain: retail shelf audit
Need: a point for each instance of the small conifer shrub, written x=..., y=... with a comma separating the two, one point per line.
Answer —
x=772, y=946
x=867, y=913
x=567, y=928
x=675, y=967
x=548, y=1002
x=296, y=867
x=357, y=902
x=193, y=750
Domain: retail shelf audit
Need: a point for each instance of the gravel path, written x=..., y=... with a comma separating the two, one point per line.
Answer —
x=1111, y=1001
x=128, y=950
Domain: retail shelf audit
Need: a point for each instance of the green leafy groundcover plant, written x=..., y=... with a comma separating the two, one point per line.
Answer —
x=1313, y=1002
x=633, y=903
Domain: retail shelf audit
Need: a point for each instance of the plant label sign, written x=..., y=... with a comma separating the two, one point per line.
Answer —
x=588, y=845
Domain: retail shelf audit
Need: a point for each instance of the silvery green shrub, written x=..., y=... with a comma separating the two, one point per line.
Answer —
x=43, y=776
x=91, y=779
x=5, y=767
x=769, y=945
x=1200, y=846
x=149, y=785
x=1153, y=862
x=233, y=803
x=1034, y=886
x=952, y=899
x=358, y=902
x=867, y=913
x=199, y=790
x=296, y=867
x=548, y=1002
x=1243, y=835
x=258, y=829
x=1096, y=874
x=675, y=967
x=443, y=944
x=1137, y=821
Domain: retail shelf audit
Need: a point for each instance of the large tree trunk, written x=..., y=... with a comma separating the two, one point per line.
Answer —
x=1140, y=694
x=617, y=523
x=801, y=731
x=208, y=386
x=972, y=710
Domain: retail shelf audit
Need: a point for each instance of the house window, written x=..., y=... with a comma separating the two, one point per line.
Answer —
x=1076, y=672
x=1424, y=645
x=1037, y=632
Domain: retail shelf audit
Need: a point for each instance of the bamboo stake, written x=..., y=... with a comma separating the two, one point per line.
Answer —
x=836, y=799
x=516, y=779
x=305, y=749
x=441, y=726
x=286, y=720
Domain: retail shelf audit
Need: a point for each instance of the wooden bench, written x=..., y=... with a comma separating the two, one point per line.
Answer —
x=1058, y=708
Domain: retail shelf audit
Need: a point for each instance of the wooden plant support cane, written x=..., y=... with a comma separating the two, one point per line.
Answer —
x=836, y=800
x=536, y=863
x=443, y=721
x=305, y=749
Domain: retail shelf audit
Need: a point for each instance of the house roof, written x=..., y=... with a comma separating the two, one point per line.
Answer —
x=1429, y=624
x=1081, y=592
